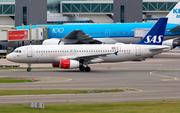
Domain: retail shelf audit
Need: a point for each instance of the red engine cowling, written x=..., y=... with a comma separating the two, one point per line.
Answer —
x=67, y=64
x=55, y=65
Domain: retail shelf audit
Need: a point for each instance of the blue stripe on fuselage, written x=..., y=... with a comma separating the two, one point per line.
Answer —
x=101, y=30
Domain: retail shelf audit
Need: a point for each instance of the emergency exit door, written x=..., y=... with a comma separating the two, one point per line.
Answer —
x=138, y=51
x=29, y=52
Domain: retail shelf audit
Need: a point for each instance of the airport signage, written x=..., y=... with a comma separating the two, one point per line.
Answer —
x=16, y=35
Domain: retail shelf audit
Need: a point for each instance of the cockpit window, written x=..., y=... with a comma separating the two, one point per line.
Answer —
x=17, y=51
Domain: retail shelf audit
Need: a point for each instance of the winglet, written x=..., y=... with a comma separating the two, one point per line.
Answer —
x=156, y=35
x=116, y=53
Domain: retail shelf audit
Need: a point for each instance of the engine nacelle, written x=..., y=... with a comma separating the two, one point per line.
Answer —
x=53, y=41
x=68, y=64
x=173, y=43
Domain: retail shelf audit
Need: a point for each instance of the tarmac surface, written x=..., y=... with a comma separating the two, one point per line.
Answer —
x=155, y=79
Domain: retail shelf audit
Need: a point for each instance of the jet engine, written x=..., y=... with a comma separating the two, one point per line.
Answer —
x=173, y=43
x=67, y=64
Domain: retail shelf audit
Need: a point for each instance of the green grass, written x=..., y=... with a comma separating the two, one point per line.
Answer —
x=121, y=107
x=12, y=80
x=36, y=92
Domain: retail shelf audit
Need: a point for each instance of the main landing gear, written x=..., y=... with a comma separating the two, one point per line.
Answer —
x=82, y=68
x=29, y=68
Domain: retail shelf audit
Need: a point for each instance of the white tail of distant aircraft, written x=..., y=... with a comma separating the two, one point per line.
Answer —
x=174, y=15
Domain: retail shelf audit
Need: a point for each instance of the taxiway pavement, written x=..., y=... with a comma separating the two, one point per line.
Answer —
x=155, y=78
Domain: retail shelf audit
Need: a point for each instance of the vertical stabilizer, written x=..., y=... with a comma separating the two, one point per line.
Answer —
x=174, y=15
x=156, y=35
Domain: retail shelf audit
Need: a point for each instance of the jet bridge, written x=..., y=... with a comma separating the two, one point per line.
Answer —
x=35, y=34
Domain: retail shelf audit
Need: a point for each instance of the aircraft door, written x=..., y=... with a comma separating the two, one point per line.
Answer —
x=75, y=51
x=29, y=52
x=107, y=32
x=138, y=51
x=71, y=51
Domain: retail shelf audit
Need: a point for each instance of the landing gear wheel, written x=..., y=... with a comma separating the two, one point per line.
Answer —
x=81, y=68
x=87, y=69
x=28, y=69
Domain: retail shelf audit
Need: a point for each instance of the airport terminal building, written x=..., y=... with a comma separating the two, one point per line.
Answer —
x=82, y=11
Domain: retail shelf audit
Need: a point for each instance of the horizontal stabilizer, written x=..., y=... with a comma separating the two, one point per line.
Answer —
x=159, y=48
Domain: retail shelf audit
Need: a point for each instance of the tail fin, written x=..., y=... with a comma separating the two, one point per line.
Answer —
x=174, y=15
x=156, y=35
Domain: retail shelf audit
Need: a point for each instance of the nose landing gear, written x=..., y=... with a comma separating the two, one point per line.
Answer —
x=29, y=68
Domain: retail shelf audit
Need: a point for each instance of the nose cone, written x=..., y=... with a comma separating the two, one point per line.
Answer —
x=9, y=57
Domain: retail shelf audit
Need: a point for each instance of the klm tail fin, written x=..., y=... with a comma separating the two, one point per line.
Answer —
x=174, y=15
x=156, y=35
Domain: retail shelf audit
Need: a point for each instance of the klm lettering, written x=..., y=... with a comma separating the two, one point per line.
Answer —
x=176, y=11
x=155, y=39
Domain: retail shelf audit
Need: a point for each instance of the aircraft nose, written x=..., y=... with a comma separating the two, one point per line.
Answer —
x=9, y=57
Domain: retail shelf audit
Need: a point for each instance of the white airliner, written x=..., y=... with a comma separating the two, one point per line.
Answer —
x=74, y=56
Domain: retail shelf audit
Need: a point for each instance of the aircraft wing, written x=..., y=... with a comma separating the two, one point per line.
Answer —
x=85, y=57
x=79, y=37
x=176, y=29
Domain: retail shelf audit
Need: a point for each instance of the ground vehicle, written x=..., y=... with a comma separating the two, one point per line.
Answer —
x=3, y=53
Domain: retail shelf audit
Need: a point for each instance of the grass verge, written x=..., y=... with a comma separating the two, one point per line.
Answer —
x=36, y=92
x=121, y=107
x=12, y=80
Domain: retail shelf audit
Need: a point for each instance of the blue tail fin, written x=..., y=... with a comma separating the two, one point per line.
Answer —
x=156, y=35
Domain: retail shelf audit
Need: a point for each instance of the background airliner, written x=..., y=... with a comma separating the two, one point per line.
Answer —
x=107, y=33
x=104, y=33
x=74, y=56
